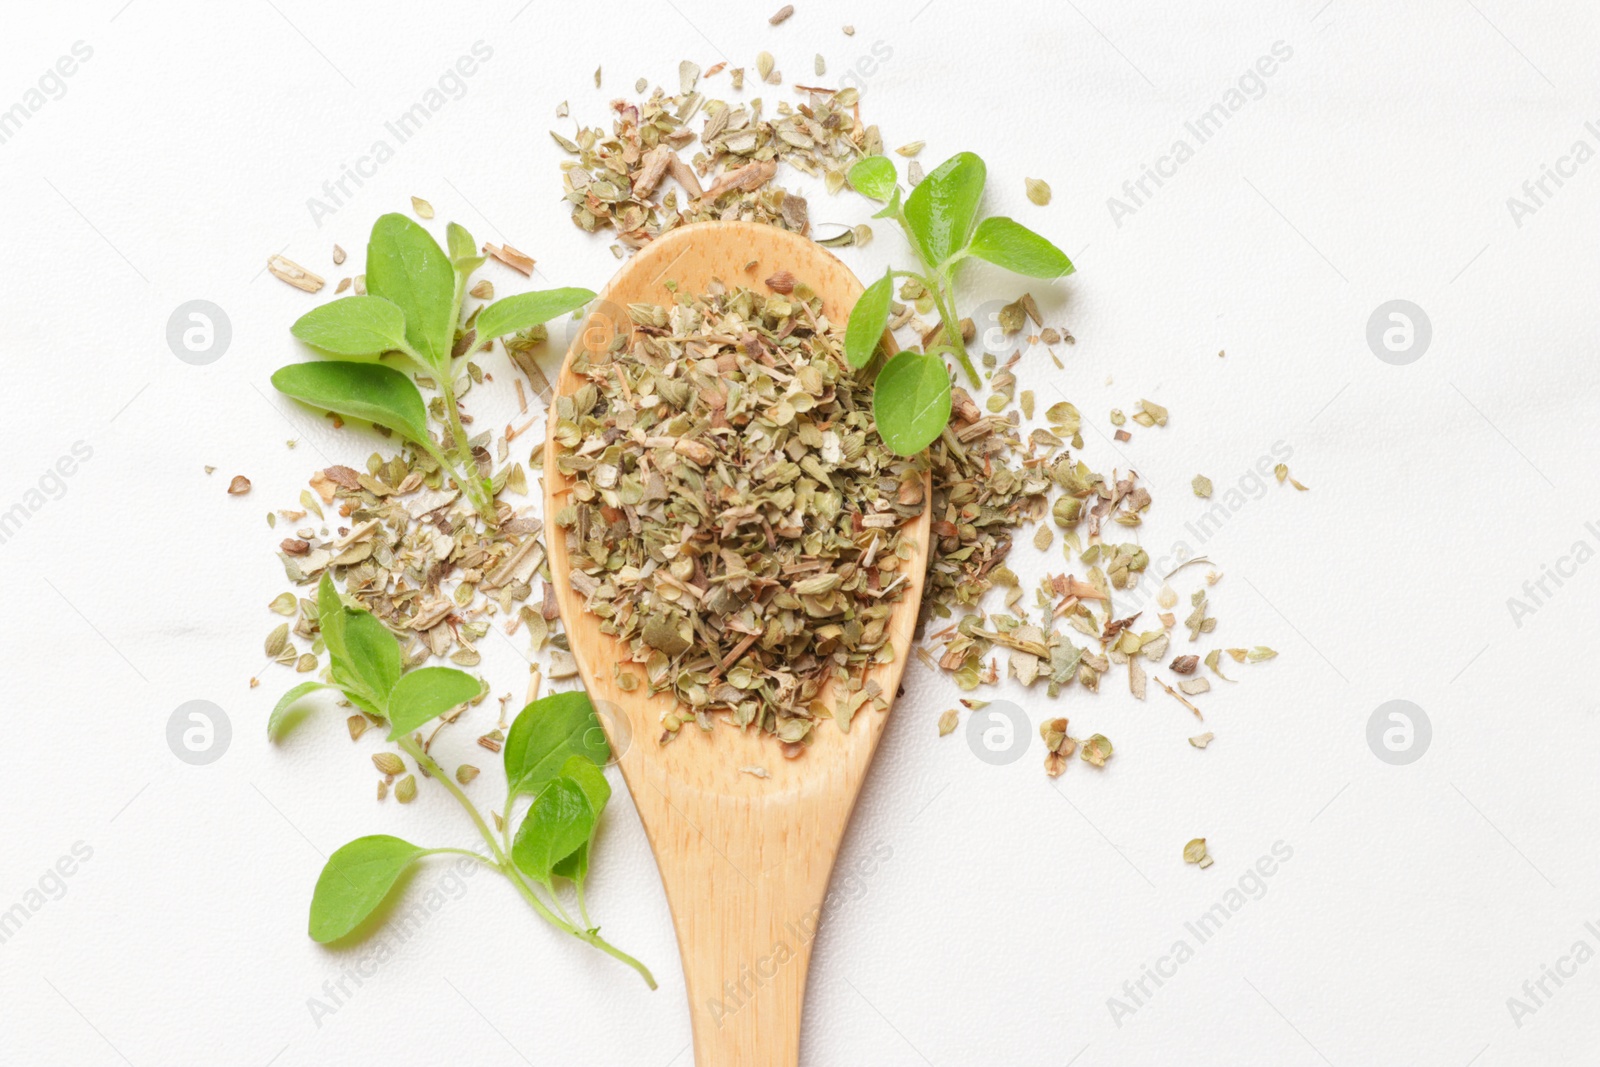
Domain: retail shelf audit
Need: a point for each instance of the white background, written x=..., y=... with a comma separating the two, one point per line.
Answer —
x=1376, y=166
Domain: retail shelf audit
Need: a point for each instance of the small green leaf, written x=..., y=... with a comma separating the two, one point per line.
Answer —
x=377, y=394
x=546, y=734
x=425, y=693
x=363, y=656
x=575, y=866
x=940, y=210
x=464, y=257
x=278, y=723
x=560, y=822
x=331, y=618
x=354, y=882
x=591, y=779
x=874, y=176
x=1013, y=246
x=868, y=318
x=557, y=825
x=892, y=208
x=911, y=402
x=528, y=309
x=372, y=666
x=354, y=326
x=460, y=242
x=406, y=266
x=598, y=790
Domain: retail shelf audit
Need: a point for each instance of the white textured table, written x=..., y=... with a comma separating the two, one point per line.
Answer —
x=1334, y=157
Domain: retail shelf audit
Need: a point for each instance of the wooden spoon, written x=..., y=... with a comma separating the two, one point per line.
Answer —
x=745, y=860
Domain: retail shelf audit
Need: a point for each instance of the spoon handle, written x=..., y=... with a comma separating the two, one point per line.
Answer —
x=745, y=878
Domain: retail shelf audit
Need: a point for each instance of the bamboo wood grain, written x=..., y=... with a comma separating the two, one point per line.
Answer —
x=744, y=860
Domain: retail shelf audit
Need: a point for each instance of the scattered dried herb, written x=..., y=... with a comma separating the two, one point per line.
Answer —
x=620, y=179
x=1096, y=750
x=286, y=270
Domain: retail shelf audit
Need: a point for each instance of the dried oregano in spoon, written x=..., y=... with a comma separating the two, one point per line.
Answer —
x=735, y=518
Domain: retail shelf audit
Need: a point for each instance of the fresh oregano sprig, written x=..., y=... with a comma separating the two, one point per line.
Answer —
x=412, y=312
x=911, y=396
x=553, y=754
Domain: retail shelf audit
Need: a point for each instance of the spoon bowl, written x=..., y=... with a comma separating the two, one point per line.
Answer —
x=744, y=859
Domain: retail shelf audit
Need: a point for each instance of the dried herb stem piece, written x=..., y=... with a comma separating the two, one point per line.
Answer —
x=287, y=270
x=1180, y=698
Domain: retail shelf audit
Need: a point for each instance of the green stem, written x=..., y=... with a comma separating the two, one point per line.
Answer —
x=466, y=474
x=946, y=304
x=583, y=909
x=473, y=489
x=588, y=936
x=616, y=953
x=458, y=432
x=502, y=862
x=480, y=857
x=428, y=763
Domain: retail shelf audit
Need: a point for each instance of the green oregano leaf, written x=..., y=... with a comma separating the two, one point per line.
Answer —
x=560, y=822
x=425, y=693
x=547, y=733
x=406, y=266
x=279, y=723
x=331, y=618
x=911, y=402
x=594, y=785
x=363, y=655
x=372, y=668
x=1013, y=246
x=892, y=208
x=874, y=176
x=941, y=209
x=528, y=309
x=868, y=319
x=353, y=326
x=354, y=882
x=368, y=391
x=460, y=242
